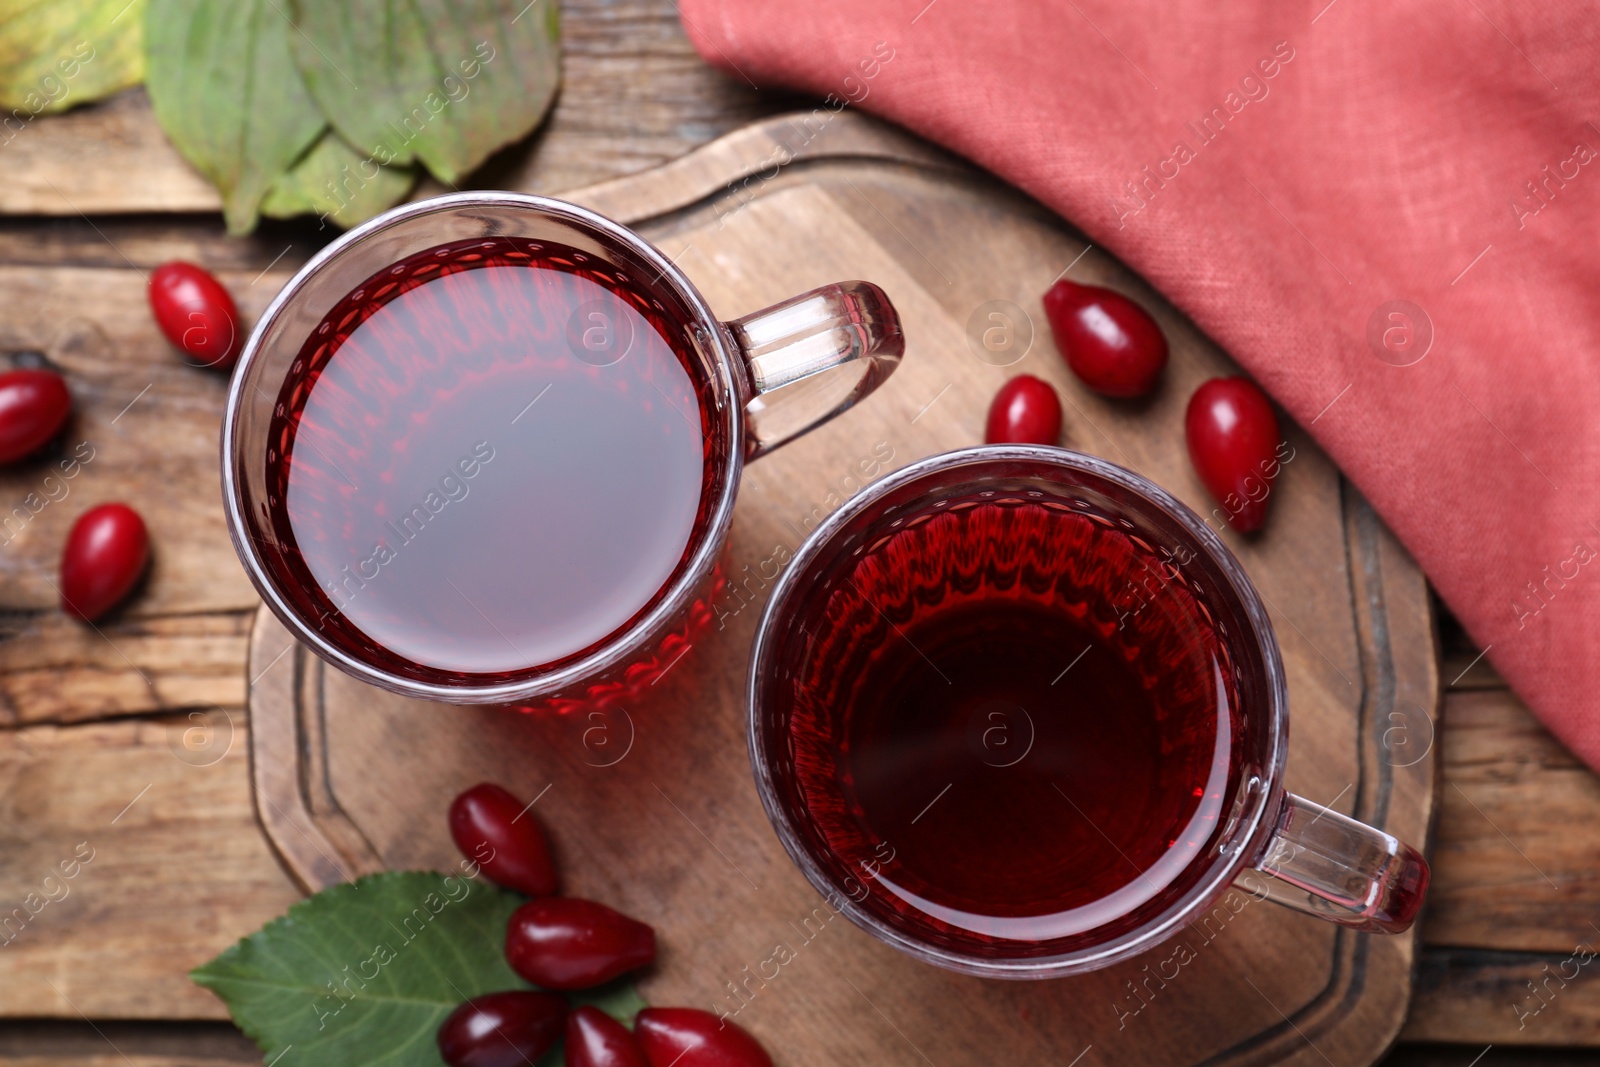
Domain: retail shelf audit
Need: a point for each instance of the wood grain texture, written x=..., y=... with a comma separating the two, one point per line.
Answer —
x=1516, y=849
x=113, y=1043
x=1516, y=896
x=674, y=832
x=106, y=158
x=1507, y=998
x=145, y=428
x=182, y=886
x=634, y=94
x=44, y=679
x=54, y=669
x=162, y=810
x=142, y=418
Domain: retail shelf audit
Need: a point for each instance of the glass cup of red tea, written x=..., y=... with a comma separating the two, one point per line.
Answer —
x=1020, y=713
x=484, y=448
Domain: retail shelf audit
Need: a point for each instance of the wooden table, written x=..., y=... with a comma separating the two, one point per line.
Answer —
x=103, y=737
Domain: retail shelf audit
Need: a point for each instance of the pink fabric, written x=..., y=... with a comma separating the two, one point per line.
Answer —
x=1388, y=157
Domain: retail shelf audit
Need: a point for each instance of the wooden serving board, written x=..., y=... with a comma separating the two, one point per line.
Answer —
x=655, y=811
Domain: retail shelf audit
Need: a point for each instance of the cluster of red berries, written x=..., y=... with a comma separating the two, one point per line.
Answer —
x=108, y=547
x=1115, y=348
x=566, y=944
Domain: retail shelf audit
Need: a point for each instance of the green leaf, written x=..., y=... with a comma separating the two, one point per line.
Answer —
x=225, y=88
x=361, y=975
x=58, y=53
x=442, y=81
x=335, y=181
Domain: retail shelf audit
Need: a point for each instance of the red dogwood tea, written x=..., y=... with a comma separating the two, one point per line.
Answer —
x=1026, y=710
x=1022, y=714
x=489, y=457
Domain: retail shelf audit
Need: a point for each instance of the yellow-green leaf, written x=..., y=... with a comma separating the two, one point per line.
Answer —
x=225, y=89
x=336, y=182
x=55, y=54
x=445, y=82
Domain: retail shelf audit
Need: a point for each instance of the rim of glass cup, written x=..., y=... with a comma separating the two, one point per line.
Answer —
x=1248, y=838
x=622, y=648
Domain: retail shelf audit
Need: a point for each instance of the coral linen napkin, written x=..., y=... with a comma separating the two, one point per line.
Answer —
x=1387, y=212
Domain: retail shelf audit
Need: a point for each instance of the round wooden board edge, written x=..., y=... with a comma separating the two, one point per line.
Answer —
x=319, y=845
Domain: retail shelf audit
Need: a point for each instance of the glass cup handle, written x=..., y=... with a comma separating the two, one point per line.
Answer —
x=1336, y=868
x=788, y=347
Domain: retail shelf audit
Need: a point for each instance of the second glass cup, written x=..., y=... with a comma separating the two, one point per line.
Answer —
x=1019, y=712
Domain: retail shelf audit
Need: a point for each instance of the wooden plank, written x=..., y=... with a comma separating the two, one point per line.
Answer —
x=1465, y=1055
x=166, y=1057
x=145, y=426
x=112, y=1043
x=1351, y=609
x=55, y=669
x=144, y=429
x=154, y=820
x=1508, y=998
x=1458, y=986
x=1516, y=894
x=634, y=94
x=108, y=157
x=142, y=242
x=36, y=688
x=1463, y=994
x=1514, y=856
